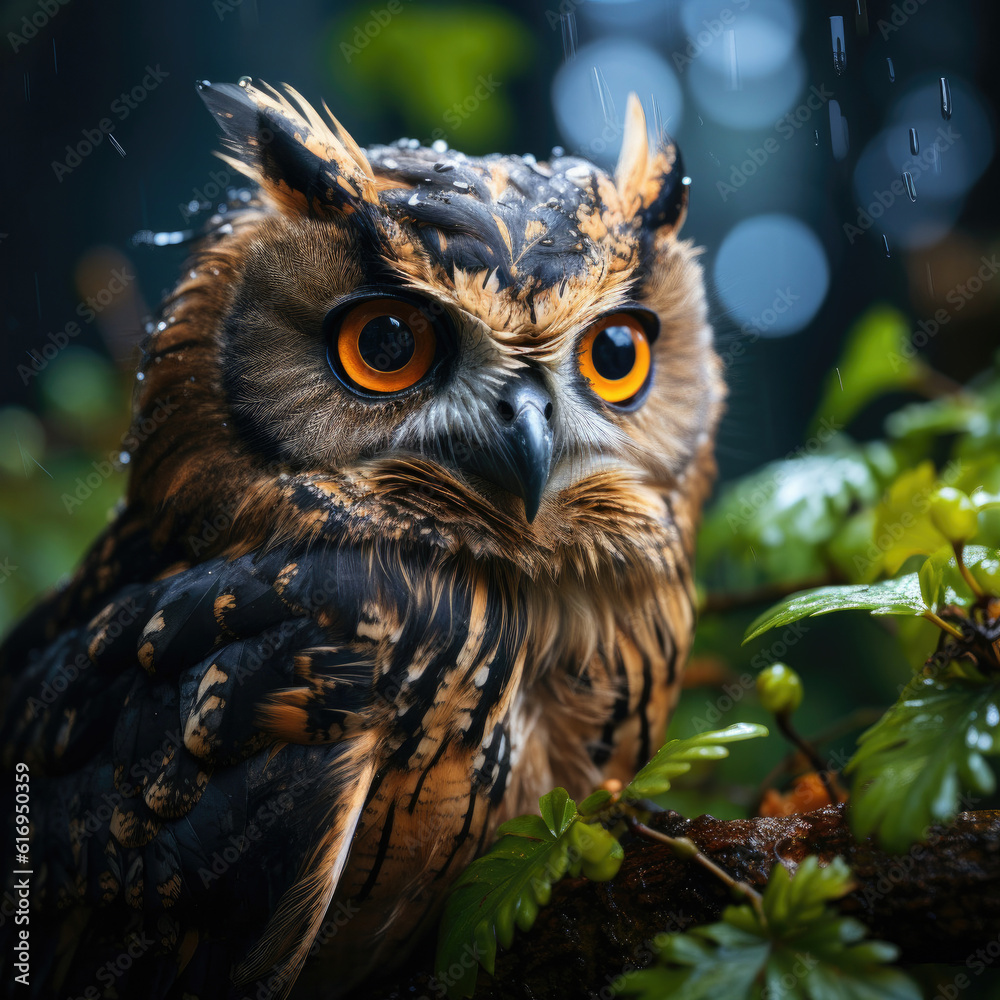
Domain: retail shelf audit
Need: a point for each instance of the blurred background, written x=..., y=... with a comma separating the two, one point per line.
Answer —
x=833, y=173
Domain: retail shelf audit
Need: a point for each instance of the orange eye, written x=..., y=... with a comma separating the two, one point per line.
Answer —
x=615, y=358
x=385, y=345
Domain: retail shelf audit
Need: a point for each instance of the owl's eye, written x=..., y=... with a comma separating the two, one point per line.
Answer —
x=615, y=357
x=383, y=345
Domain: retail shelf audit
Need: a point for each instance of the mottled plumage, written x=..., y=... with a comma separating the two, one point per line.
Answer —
x=336, y=634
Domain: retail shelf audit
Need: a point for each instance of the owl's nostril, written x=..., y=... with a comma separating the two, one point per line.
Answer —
x=524, y=390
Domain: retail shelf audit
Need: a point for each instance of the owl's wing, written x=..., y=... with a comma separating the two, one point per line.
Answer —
x=196, y=770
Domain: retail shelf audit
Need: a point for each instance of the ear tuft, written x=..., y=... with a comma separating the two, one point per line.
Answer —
x=650, y=182
x=302, y=164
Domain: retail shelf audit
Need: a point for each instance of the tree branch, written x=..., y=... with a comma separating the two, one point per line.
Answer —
x=938, y=903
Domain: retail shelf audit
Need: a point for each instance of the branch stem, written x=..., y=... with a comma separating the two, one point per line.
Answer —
x=784, y=720
x=943, y=625
x=966, y=575
x=687, y=849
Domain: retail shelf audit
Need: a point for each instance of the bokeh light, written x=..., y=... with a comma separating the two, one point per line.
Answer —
x=771, y=274
x=591, y=128
x=952, y=155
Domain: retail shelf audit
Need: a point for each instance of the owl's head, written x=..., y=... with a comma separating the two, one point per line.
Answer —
x=489, y=353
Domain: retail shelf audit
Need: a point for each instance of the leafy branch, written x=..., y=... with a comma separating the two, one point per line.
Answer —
x=792, y=945
x=505, y=887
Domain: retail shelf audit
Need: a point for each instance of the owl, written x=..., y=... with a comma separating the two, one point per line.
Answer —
x=418, y=451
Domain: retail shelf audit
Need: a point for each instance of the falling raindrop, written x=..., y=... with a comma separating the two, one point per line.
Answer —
x=885, y=243
x=245, y=81
x=604, y=95
x=55, y=59
x=914, y=142
x=734, y=65
x=715, y=159
x=837, y=40
x=701, y=121
x=815, y=136
x=936, y=159
x=945, y=98
x=116, y=144
x=569, y=37
x=911, y=189
x=930, y=280
x=657, y=118
x=892, y=70
x=839, y=140
x=861, y=18
x=27, y=88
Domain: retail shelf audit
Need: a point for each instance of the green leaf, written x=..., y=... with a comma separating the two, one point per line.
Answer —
x=877, y=358
x=504, y=887
x=776, y=525
x=984, y=500
x=801, y=949
x=947, y=415
x=676, y=757
x=790, y=901
x=716, y=962
x=941, y=581
x=595, y=802
x=558, y=810
x=422, y=68
x=888, y=597
x=903, y=522
x=913, y=764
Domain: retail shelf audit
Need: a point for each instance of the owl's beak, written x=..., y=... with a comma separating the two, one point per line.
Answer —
x=519, y=458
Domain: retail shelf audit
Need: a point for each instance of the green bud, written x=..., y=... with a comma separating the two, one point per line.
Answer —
x=779, y=689
x=607, y=867
x=527, y=911
x=954, y=514
x=986, y=573
x=505, y=924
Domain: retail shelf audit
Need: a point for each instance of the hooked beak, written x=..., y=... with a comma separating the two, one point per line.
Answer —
x=519, y=458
